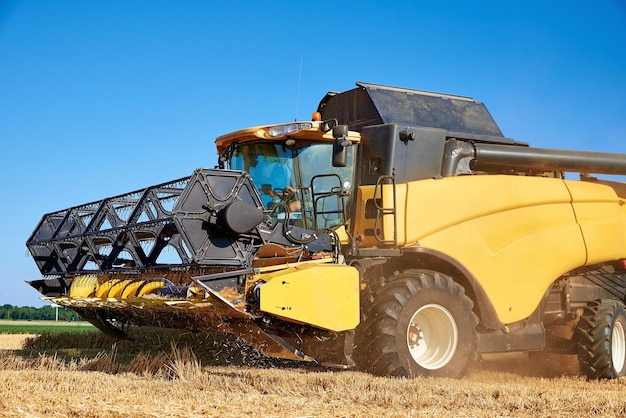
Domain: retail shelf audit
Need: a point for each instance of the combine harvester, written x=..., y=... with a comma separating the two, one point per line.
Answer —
x=397, y=231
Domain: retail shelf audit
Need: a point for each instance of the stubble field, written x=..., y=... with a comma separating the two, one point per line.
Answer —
x=174, y=374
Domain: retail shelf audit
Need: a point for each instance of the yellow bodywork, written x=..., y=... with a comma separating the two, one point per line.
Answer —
x=322, y=295
x=602, y=221
x=515, y=235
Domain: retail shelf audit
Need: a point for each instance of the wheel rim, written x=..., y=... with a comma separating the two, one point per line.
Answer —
x=432, y=336
x=618, y=346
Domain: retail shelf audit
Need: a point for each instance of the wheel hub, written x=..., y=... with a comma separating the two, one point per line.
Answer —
x=432, y=336
x=618, y=346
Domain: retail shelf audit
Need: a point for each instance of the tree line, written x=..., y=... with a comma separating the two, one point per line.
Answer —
x=44, y=313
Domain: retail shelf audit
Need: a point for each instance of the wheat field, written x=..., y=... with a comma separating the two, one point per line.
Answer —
x=227, y=380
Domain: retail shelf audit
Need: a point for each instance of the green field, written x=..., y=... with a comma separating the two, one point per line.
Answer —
x=41, y=327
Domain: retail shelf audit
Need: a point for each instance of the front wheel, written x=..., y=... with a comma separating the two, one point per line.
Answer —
x=421, y=323
x=601, y=340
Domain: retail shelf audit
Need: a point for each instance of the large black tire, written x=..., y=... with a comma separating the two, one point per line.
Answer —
x=600, y=337
x=420, y=324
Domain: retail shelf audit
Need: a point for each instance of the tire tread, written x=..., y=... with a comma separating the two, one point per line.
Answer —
x=376, y=349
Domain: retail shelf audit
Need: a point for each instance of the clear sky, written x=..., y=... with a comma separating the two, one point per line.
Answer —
x=99, y=98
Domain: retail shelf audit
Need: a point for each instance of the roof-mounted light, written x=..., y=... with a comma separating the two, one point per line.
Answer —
x=292, y=128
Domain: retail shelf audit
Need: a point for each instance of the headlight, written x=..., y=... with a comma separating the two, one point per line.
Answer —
x=292, y=128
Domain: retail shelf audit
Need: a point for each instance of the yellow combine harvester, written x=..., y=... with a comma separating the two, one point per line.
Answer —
x=397, y=231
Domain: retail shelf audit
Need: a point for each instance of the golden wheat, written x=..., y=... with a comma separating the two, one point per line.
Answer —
x=180, y=383
x=13, y=341
x=241, y=391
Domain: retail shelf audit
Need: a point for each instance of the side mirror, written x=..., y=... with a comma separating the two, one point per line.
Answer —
x=340, y=144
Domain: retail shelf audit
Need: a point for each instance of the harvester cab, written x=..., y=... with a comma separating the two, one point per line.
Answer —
x=304, y=171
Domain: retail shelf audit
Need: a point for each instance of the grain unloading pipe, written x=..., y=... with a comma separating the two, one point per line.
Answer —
x=489, y=157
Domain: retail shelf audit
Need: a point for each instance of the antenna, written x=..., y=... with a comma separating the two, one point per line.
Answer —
x=298, y=95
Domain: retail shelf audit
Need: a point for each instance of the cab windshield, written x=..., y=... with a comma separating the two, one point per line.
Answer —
x=299, y=179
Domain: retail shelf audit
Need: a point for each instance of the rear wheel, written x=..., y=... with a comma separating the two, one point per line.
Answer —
x=420, y=323
x=600, y=337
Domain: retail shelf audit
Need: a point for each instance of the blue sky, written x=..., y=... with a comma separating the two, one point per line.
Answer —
x=99, y=98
